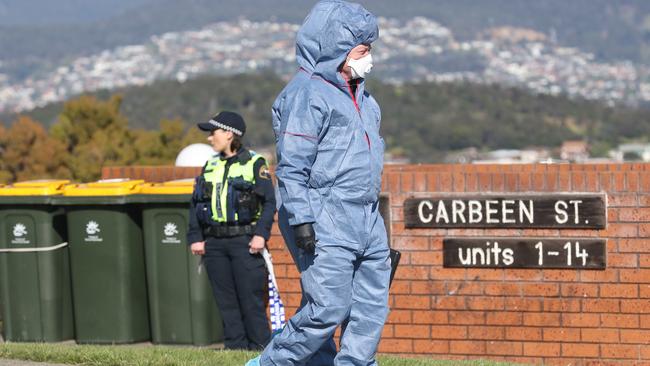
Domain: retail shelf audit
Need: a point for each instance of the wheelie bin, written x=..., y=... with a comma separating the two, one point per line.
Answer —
x=181, y=306
x=34, y=264
x=107, y=262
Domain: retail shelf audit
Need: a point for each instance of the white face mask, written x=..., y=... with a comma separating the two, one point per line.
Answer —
x=361, y=67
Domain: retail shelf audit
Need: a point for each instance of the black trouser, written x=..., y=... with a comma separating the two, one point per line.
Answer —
x=240, y=284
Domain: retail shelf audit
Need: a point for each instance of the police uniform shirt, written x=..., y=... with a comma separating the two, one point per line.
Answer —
x=263, y=188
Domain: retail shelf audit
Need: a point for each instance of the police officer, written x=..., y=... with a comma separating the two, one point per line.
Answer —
x=231, y=215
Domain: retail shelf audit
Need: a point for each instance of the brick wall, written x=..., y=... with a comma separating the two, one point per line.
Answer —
x=561, y=317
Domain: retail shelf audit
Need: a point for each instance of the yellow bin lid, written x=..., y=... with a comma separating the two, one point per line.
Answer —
x=41, y=187
x=180, y=186
x=109, y=187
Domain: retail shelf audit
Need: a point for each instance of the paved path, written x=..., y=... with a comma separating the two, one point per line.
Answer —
x=4, y=362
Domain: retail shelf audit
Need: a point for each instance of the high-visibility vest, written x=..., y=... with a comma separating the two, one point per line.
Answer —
x=214, y=173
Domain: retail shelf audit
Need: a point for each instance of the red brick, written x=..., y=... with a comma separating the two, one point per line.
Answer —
x=430, y=317
x=504, y=348
x=634, y=245
x=561, y=305
x=387, y=332
x=427, y=258
x=523, y=334
x=591, y=182
x=605, y=181
x=633, y=181
x=396, y=346
x=448, y=331
x=523, y=275
x=539, y=289
x=505, y=318
x=619, y=320
x=645, y=321
x=608, y=275
x=413, y=273
x=542, y=349
x=503, y=289
x=446, y=182
x=601, y=305
x=561, y=276
x=618, y=351
x=619, y=291
x=412, y=302
x=458, y=184
x=412, y=331
x=635, y=336
x=644, y=200
x=644, y=230
x=430, y=346
x=622, y=200
x=523, y=304
x=447, y=273
x=564, y=182
x=581, y=320
x=487, y=333
x=635, y=306
x=427, y=288
x=407, y=182
x=635, y=276
x=539, y=182
x=634, y=214
x=541, y=319
x=561, y=335
x=644, y=260
x=467, y=317
x=645, y=353
x=471, y=183
x=622, y=260
x=402, y=316
x=410, y=243
x=486, y=303
x=402, y=287
x=621, y=230
x=579, y=290
x=511, y=182
x=433, y=180
x=498, y=182
x=619, y=182
x=419, y=182
x=644, y=291
x=485, y=274
x=464, y=288
x=450, y=303
x=525, y=182
x=394, y=184
x=600, y=335
x=467, y=347
x=580, y=350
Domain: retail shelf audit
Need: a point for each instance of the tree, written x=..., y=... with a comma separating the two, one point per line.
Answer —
x=94, y=134
x=29, y=153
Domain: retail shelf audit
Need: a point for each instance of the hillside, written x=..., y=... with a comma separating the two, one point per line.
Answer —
x=610, y=30
x=422, y=120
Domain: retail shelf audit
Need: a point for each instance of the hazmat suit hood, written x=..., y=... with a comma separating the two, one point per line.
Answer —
x=331, y=30
x=307, y=45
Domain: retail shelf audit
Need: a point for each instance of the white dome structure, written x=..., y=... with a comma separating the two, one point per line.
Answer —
x=194, y=155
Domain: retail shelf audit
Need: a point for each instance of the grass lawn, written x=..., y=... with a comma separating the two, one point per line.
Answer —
x=166, y=356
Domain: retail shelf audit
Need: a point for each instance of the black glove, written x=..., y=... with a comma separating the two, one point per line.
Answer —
x=305, y=237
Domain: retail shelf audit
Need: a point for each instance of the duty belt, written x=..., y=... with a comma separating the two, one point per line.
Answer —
x=226, y=231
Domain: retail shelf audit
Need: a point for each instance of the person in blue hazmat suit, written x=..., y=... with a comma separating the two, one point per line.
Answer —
x=307, y=52
x=231, y=214
x=330, y=160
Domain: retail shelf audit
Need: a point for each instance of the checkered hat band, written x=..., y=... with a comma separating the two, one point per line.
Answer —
x=225, y=127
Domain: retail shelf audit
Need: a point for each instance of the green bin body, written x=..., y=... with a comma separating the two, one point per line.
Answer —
x=108, y=273
x=34, y=286
x=181, y=304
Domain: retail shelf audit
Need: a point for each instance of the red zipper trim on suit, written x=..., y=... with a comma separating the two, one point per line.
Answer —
x=354, y=100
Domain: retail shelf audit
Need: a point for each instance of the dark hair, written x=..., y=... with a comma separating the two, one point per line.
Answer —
x=236, y=143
